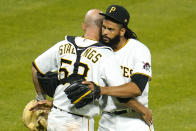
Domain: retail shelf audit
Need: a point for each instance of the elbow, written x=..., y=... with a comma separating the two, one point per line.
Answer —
x=138, y=92
x=133, y=93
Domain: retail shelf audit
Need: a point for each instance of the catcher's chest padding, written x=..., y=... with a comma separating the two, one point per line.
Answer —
x=79, y=51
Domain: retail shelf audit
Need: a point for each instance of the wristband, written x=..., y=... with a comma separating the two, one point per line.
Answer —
x=40, y=97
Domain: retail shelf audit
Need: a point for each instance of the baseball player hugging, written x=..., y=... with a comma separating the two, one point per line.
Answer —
x=89, y=75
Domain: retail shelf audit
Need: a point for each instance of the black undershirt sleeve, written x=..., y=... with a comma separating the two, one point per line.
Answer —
x=140, y=80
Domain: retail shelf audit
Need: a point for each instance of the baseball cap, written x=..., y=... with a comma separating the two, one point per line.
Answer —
x=120, y=15
x=117, y=13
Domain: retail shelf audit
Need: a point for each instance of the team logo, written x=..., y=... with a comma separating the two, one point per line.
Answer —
x=146, y=66
x=112, y=9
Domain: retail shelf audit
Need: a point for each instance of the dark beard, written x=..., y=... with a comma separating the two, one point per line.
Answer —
x=112, y=42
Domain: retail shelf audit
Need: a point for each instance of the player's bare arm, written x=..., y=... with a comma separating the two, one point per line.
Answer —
x=144, y=111
x=40, y=93
x=42, y=105
x=127, y=90
x=123, y=91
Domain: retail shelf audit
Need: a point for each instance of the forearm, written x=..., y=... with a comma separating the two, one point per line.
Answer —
x=137, y=106
x=145, y=112
x=123, y=91
x=42, y=105
x=38, y=89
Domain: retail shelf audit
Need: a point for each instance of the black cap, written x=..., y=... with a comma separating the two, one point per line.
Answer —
x=118, y=13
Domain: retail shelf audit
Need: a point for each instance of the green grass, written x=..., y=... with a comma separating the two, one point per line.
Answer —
x=167, y=27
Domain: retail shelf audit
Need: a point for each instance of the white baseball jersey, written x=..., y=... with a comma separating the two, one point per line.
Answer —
x=97, y=64
x=134, y=58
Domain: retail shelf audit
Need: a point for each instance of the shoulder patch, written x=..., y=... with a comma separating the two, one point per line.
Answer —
x=146, y=66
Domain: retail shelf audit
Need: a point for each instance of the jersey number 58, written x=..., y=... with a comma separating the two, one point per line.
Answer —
x=82, y=68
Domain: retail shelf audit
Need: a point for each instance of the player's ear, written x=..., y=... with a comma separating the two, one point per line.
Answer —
x=122, y=31
x=83, y=27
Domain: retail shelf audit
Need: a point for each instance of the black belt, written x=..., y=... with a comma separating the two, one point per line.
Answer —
x=67, y=111
x=120, y=112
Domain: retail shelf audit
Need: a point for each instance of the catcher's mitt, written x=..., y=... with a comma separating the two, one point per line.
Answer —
x=48, y=82
x=80, y=94
x=34, y=120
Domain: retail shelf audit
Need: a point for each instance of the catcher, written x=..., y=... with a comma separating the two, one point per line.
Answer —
x=81, y=56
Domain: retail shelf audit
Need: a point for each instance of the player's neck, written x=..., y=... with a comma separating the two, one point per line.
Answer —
x=122, y=43
x=91, y=34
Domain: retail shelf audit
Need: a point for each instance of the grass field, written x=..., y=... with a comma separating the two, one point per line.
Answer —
x=167, y=27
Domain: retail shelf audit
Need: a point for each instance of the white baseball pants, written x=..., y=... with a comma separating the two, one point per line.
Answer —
x=111, y=122
x=64, y=121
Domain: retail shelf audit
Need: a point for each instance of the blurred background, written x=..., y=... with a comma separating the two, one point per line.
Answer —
x=167, y=27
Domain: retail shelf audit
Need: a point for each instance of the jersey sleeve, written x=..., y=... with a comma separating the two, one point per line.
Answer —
x=48, y=60
x=142, y=62
x=112, y=72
